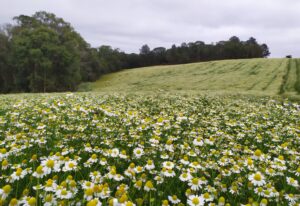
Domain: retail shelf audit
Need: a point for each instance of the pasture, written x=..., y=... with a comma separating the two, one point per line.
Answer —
x=249, y=76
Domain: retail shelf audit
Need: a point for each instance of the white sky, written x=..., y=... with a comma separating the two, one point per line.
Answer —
x=128, y=24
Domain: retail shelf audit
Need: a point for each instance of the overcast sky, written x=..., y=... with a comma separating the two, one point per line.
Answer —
x=127, y=24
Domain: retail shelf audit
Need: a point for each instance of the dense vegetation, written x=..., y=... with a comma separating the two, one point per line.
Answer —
x=123, y=150
x=43, y=53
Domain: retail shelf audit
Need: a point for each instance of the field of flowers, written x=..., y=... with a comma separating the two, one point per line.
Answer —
x=124, y=150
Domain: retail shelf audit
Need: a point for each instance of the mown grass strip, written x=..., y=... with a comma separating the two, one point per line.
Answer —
x=297, y=84
x=285, y=77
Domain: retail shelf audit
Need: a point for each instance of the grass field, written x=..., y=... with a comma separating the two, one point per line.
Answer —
x=254, y=76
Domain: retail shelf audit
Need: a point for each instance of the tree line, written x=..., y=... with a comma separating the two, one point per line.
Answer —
x=43, y=53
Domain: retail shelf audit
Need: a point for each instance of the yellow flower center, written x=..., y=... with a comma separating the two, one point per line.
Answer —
x=195, y=181
x=39, y=169
x=64, y=192
x=19, y=171
x=149, y=184
x=6, y=189
x=129, y=204
x=49, y=183
x=123, y=198
x=73, y=183
x=139, y=183
x=89, y=192
x=257, y=177
x=13, y=202
x=206, y=195
x=4, y=163
x=48, y=198
x=92, y=203
x=257, y=153
x=50, y=163
x=3, y=151
x=195, y=201
x=32, y=201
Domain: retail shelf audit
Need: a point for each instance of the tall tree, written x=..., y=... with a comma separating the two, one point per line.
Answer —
x=47, y=52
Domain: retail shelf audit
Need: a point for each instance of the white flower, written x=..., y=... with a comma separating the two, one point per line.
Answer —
x=291, y=181
x=168, y=165
x=150, y=165
x=291, y=198
x=195, y=184
x=198, y=141
x=63, y=194
x=257, y=179
x=195, y=200
x=49, y=200
x=95, y=202
x=50, y=165
x=50, y=186
x=174, y=199
x=39, y=172
x=115, y=152
x=184, y=177
x=138, y=152
x=118, y=177
x=169, y=173
x=18, y=174
x=70, y=165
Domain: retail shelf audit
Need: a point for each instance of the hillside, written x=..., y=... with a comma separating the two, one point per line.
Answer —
x=266, y=76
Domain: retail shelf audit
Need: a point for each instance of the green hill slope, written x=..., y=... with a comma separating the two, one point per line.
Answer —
x=266, y=76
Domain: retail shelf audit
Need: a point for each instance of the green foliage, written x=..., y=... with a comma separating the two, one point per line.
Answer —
x=47, y=54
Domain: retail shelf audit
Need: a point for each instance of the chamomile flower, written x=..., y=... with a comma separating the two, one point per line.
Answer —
x=4, y=192
x=39, y=172
x=257, y=179
x=29, y=201
x=18, y=174
x=63, y=193
x=198, y=141
x=195, y=200
x=291, y=181
x=70, y=165
x=291, y=198
x=94, y=202
x=149, y=186
x=50, y=165
x=138, y=152
x=195, y=184
x=150, y=165
x=184, y=177
x=88, y=194
x=168, y=165
x=49, y=200
x=174, y=199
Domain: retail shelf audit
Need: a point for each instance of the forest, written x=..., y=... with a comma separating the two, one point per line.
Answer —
x=44, y=53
